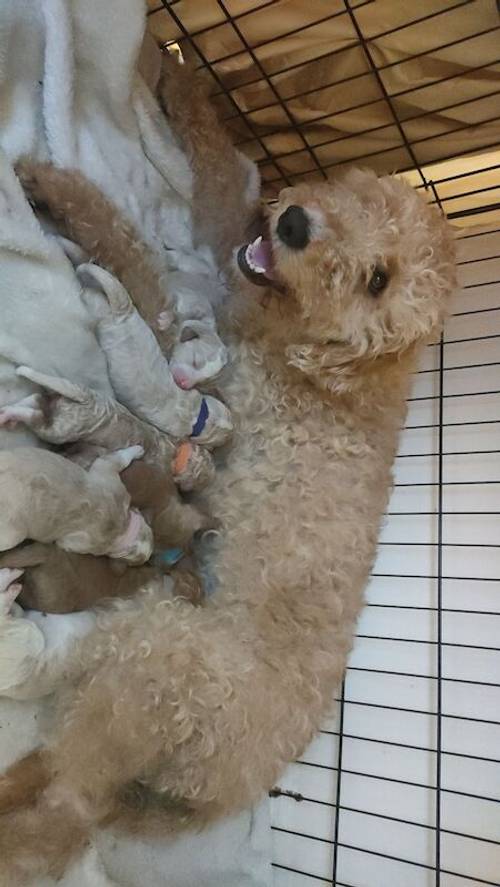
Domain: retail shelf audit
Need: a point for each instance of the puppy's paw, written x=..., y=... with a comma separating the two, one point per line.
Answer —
x=9, y=589
x=192, y=467
x=130, y=454
x=21, y=642
x=27, y=411
x=121, y=459
x=213, y=426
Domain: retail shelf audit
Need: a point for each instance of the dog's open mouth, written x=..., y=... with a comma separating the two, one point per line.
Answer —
x=255, y=261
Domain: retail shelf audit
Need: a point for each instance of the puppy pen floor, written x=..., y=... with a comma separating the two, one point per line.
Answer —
x=402, y=787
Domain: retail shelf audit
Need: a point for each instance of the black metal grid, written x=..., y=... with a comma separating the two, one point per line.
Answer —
x=242, y=112
x=231, y=92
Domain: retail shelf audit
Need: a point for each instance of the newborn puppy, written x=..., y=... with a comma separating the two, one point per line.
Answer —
x=140, y=374
x=173, y=521
x=47, y=498
x=67, y=412
x=57, y=581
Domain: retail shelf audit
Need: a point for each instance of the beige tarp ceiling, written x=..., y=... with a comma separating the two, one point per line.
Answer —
x=305, y=94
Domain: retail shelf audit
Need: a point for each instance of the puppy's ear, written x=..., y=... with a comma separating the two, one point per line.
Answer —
x=338, y=367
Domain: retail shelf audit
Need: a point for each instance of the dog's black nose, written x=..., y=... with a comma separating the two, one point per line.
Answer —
x=293, y=228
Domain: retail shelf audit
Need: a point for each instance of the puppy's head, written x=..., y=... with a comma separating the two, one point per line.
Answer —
x=135, y=545
x=364, y=265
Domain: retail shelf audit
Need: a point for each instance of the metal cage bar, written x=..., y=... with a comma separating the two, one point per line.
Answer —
x=470, y=345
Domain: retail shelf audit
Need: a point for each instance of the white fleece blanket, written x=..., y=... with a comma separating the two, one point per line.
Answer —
x=44, y=322
x=69, y=92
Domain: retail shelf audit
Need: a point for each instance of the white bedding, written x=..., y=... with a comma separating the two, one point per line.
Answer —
x=42, y=310
x=69, y=92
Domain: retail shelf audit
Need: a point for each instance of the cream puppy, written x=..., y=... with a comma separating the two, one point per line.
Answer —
x=47, y=498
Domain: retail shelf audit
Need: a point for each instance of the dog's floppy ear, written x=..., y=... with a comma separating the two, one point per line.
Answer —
x=338, y=367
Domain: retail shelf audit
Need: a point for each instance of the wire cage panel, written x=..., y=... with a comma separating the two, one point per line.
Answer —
x=402, y=786
x=308, y=87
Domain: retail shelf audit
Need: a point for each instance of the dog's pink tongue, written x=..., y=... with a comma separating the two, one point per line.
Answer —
x=262, y=255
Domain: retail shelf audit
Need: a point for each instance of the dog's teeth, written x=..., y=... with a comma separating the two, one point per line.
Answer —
x=257, y=269
x=257, y=241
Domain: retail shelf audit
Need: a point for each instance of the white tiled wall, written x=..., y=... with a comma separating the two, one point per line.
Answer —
x=388, y=797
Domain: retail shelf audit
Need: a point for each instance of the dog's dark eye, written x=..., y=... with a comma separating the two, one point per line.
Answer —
x=378, y=282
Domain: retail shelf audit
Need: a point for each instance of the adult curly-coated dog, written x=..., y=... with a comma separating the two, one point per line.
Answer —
x=194, y=712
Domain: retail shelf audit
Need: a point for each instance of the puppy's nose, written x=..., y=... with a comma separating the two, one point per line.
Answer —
x=293, y=228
